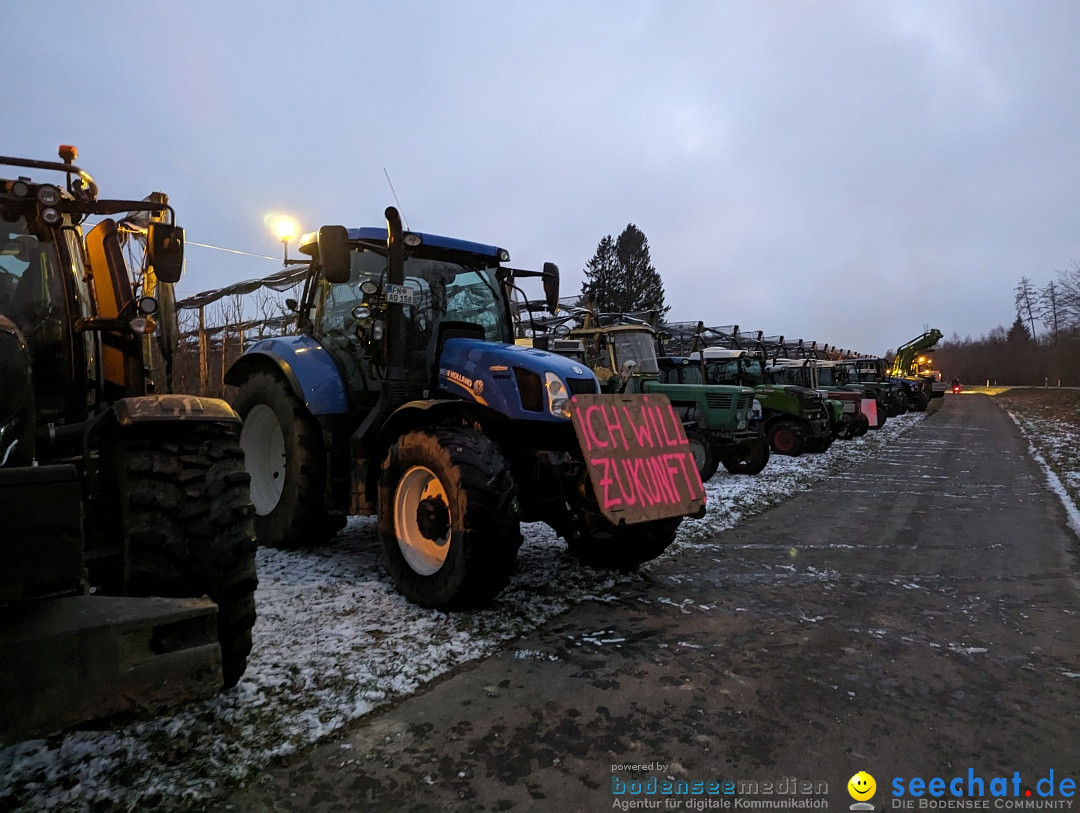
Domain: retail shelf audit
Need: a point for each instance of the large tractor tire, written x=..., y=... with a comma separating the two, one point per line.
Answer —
x=286, y=458
x=786, y=437
x=706, y=456
x=747, y=457
x=448, y=518
x=620, y=547
x=860, y=426
x=185, y=519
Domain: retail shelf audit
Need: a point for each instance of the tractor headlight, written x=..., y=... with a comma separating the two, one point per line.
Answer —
x=48, y=195
x=558, y=397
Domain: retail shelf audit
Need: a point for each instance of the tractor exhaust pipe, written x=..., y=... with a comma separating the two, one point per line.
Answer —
x=394, y=391
x=394, y=343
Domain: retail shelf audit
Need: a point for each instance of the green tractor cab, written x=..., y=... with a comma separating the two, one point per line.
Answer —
x=796, y=418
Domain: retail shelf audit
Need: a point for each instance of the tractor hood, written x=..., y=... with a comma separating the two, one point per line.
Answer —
x=519, y=382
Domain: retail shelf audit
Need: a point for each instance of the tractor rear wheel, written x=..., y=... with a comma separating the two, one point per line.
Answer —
x=747, y=457
x=705, y=453
x=181, y=507
x=787, y=437
x=448, y=517
x=286, y=458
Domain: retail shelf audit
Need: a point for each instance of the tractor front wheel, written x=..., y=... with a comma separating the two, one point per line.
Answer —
x=448, y=517
x=787, y=437
x=705, y=453
x=818, y=445
x=747, y=457
x=620, y=547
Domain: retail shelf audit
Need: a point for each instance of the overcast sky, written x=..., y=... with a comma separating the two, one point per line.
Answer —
x=848, y=172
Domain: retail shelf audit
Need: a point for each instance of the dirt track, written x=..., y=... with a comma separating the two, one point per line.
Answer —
x=917, y=616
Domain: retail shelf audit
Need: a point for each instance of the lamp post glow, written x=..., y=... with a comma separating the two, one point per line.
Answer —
x=286, y=228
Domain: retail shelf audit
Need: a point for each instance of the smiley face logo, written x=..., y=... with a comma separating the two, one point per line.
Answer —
x=861, y=786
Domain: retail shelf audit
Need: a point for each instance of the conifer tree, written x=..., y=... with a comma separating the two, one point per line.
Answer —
x=620, y=277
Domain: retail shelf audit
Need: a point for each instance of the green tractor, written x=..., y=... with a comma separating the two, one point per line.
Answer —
x=719, y=420
x=846, y=417
x=741, y=449
x=796, y=418
x=834, y=377
x=898, y=395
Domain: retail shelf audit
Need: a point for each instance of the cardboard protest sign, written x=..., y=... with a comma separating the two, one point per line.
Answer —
x=640, y=464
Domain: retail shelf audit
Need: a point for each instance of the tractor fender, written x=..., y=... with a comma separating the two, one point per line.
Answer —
x=434, y=412
x=305, y=364
x=419, y=415
x=172, y=407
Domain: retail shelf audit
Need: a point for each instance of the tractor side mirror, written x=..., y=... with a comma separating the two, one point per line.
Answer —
x=334, y=253
x=551, y=286
x=165, y=251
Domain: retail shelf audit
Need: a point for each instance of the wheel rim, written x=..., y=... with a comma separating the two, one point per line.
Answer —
x=784, y=440
x=697, y=450
x=264, y=457
x=422, y=520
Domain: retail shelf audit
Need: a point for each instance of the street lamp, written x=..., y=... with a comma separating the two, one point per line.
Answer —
x=286, y=228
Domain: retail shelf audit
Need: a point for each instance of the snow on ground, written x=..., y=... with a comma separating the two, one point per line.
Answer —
x=1055, y=445
x=334, y=641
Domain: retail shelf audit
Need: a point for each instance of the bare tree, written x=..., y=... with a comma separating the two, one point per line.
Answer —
x=1026, y=300
x=1068, y=292
x=1049, y=309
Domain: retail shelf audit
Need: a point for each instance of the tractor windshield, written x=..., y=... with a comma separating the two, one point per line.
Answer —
x=792, y=376
x=753, y=371
x=828, y=377
x=691, y=374
x=33, y=296
x=29, y=283
x=638, y=347
x=435, y=289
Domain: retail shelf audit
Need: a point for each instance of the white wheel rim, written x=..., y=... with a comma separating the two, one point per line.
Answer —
x=697, y=450
x=424, y=554
x=264, y=457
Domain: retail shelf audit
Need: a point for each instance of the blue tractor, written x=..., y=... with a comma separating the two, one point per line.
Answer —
x=404, y=396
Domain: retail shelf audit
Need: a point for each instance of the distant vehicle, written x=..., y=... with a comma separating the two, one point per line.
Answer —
x=957, y=388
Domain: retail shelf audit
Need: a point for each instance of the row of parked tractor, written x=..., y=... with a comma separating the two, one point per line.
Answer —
x=412, y=390
x=741, y=395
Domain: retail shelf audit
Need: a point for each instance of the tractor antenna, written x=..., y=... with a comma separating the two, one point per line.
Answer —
x=391, y=183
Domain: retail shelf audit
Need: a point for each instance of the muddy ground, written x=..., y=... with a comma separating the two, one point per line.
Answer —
x=917, y=616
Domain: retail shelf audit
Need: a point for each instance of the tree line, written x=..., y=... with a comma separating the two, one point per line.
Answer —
x=1041, y=347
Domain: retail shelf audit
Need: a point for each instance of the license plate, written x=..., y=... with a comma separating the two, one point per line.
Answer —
x=398, y=294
